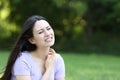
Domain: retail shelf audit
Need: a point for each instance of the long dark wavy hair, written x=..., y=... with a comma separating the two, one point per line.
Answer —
x=22, y=44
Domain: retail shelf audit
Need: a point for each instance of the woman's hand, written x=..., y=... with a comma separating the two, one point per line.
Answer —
x=49, y=64
x=51, y=51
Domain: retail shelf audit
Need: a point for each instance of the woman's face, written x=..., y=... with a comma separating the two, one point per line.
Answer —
x=43, y=34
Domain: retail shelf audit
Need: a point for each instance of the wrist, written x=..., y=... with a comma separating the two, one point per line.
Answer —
x=49, y=69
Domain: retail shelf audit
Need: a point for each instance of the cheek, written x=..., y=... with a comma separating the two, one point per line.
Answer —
x=52, y=32
x=39, y=38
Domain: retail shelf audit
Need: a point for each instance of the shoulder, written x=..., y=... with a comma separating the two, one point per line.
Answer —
x=59, y=59
x=58, y=56
x=59, y=67
x=23, y=58
x=22, y=65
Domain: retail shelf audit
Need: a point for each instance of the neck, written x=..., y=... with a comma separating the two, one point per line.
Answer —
x=41, y=53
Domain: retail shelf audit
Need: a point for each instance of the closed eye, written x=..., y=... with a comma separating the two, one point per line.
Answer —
x=48, y=27
x=41, y=31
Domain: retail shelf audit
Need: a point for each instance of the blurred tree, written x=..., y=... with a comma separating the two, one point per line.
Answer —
x=64, y=15
x=69, y=18
x=101, y=15
x=6, y=28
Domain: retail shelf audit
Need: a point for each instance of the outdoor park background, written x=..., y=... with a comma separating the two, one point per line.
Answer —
x=87, y=33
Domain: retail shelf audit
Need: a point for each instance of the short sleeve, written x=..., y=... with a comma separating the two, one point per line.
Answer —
x=60, y=67
x=21, y=67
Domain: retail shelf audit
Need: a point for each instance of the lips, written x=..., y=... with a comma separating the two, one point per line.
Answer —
x=49, y=39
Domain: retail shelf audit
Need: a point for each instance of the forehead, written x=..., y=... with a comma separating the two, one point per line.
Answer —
x=41, y=24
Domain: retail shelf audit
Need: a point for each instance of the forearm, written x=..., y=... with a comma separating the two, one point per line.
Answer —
x=49, y=65
x=46, y=75
x=60, y=79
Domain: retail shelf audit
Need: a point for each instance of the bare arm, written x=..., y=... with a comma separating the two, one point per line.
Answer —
x=49, y=67
x=60, y=79
x=23, y=78
x=49, y=64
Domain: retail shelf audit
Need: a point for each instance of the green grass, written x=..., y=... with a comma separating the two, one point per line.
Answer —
x=84, y=67
x=3, y=60
x=91, y=67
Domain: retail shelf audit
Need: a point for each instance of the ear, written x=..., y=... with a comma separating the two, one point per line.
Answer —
x=31, y=40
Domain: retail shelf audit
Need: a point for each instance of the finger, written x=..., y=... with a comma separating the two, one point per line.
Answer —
x=52, y=51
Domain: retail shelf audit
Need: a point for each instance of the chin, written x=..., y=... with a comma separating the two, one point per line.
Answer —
x=50, y=44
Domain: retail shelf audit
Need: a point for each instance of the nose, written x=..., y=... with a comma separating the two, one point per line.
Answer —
x=47, y=33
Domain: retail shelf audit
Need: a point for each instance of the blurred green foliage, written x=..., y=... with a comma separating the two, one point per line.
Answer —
x=79, y=25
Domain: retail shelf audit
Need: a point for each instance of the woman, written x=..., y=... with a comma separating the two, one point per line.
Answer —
x=32, y=58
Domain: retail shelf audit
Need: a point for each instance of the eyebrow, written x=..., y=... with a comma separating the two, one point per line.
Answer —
x=42, y=29
x=39, y=30
x=47, y=26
